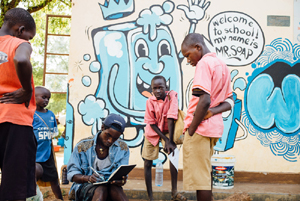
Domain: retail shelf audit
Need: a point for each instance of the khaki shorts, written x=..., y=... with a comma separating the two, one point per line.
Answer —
x=197, y=152
x=150, y=152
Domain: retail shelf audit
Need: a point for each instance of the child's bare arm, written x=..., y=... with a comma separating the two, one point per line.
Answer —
x=158, y=131
x=222, y=107
x=169, y=147
x=171, y=126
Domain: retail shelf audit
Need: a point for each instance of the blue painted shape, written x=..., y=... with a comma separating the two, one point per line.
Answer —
x=86, y=57
x=226, y=142
x=115, y=9
x=275, y=104
x=276, y=80
x=86, y=81
x=61, y=141
x=240, y=83
x=69, y=129
x=233, y=74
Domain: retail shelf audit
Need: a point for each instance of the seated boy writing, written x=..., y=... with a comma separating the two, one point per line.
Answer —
x=211, y=86
x=102, y=153
x=161, y=111
x=44, y=127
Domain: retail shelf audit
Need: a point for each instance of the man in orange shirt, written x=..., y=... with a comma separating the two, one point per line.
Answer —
x=17, y=106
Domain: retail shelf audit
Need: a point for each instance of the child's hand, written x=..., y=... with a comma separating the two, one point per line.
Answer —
x=120, y=182
x=169, y=147
x=209, y=114
x=17, y=97
x=95, y=178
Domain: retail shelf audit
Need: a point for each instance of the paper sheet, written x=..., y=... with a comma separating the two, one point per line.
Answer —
x=174, y=159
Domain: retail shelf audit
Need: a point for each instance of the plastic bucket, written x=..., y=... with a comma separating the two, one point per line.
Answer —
x=223, y=171
x=56, y=148
x=61, y=141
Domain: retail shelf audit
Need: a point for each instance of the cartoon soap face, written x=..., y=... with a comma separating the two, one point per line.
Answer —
x=129, y=59
x=150, y=58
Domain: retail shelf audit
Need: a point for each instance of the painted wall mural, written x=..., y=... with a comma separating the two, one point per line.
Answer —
x=236, y=37
x=128, y=54
x=272, y=99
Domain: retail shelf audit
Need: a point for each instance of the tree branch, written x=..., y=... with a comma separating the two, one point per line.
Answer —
x=66, y=3
x=13, y=3
x=38, y=7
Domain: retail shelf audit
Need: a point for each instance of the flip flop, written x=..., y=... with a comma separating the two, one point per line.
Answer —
x=179, y=197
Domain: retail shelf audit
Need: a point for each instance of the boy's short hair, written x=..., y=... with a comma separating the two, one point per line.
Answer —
x=21, y=16
x=192, y=39
x=159, y=77
x=41, y=87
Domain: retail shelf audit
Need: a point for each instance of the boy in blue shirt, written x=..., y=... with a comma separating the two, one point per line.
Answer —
x=45, y=127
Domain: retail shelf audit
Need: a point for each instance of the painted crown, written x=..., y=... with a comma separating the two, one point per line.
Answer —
x=115, y=9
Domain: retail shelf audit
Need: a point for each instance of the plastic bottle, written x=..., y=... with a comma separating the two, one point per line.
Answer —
x=159, y=174
x=64, y=176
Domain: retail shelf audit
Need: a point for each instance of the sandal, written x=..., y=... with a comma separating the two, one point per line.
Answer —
x=179, y=197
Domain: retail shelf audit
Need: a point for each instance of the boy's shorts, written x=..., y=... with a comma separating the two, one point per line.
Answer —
x=17, y=161
x=197, y=152
x=150, y=152
x=49, y=169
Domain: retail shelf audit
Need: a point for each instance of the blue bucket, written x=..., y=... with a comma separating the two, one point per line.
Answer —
x=61, y=141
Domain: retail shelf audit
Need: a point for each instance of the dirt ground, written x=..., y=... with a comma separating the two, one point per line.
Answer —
x=238, y=197
x=48, y=196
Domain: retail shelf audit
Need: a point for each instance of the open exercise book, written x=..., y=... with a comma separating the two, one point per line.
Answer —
x=118, y=174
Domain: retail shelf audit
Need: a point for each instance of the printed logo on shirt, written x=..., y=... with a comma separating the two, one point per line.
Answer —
x=51, y=119
x=44, y=135
x=3, y=57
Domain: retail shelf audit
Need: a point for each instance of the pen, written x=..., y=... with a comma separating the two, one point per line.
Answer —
x=101, y=177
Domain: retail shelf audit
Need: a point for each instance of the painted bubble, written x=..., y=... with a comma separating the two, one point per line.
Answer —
x=86, y=57
x=237, y=38
x=95, y=66
x=168, y=6
x=86, y=81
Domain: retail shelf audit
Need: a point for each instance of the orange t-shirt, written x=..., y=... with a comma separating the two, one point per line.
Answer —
x=9, y=82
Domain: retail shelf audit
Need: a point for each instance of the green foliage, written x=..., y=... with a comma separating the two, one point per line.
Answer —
x=57, y=103
x=56, y=25
x=39, y=9
x=31, y=6
x=63, y=192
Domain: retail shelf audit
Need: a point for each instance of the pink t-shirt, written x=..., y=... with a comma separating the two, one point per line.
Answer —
x=212, y=76
x=158, y=112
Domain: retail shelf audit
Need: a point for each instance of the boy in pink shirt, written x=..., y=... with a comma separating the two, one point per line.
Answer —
x=211, y=87
x=161, y=111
